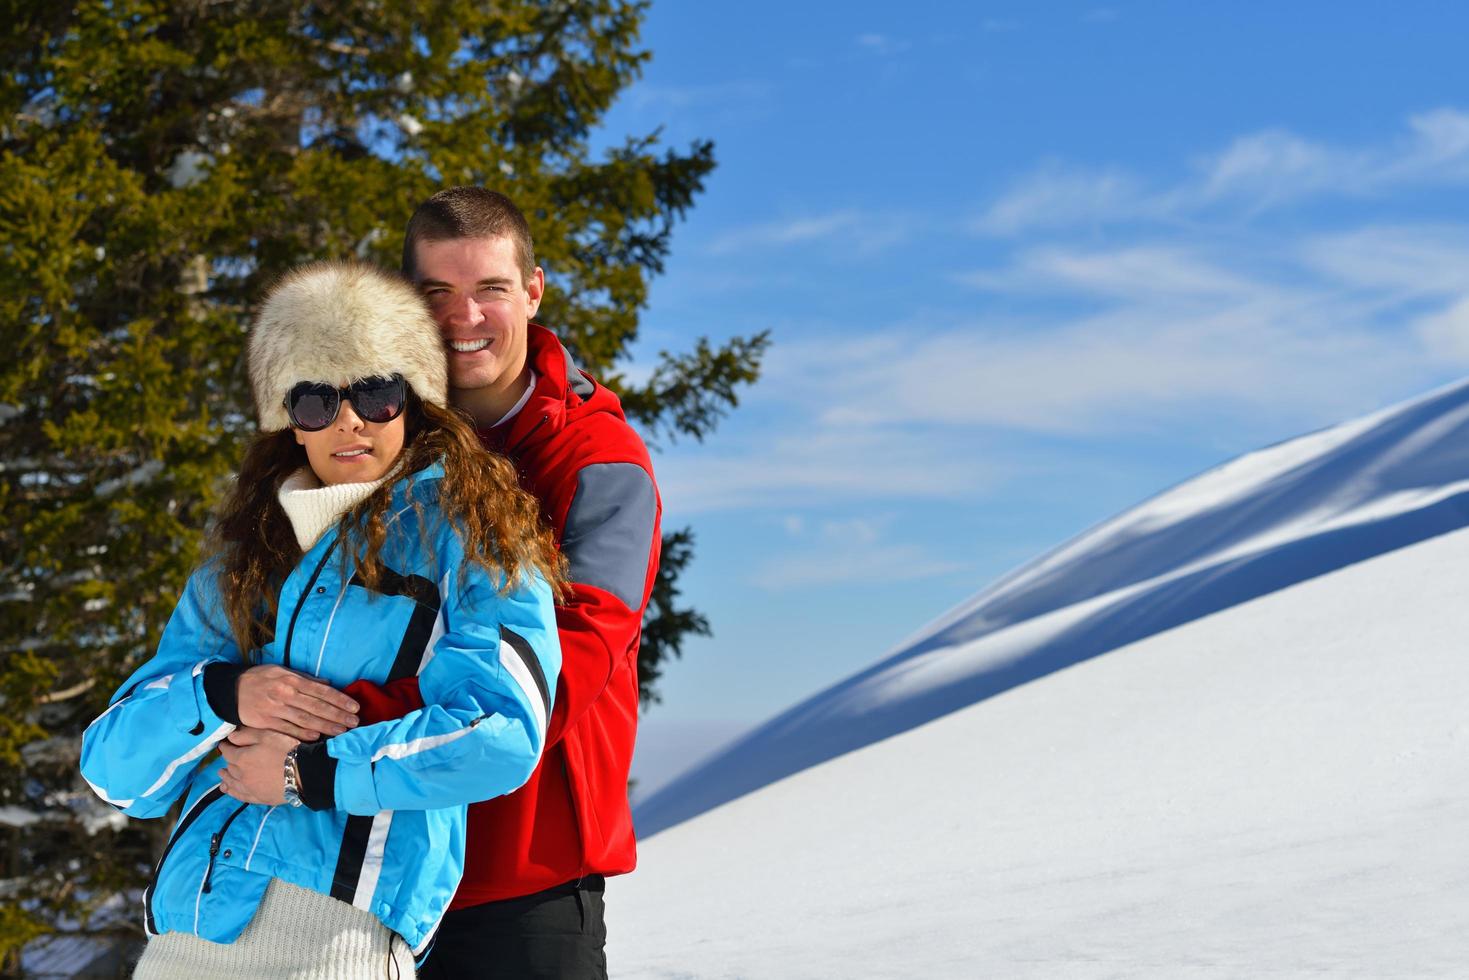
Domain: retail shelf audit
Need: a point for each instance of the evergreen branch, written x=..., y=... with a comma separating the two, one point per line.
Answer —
x=688, y=394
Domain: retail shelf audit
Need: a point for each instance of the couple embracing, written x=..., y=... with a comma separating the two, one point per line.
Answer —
x=398, y=698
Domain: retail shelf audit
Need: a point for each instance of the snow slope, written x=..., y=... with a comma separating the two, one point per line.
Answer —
x=1279, y=516
x=1278, y=789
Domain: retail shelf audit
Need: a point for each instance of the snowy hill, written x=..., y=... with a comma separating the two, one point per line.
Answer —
x=1265, y=521
x=1279, y=789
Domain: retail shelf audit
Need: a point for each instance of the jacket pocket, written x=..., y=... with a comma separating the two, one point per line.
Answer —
x=193, y=813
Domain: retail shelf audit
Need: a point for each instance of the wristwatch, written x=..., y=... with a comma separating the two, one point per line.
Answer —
x=293, y=779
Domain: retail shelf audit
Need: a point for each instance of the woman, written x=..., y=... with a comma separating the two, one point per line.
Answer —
x=368, y=538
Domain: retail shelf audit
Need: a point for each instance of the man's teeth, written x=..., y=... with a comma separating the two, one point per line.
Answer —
x=350, y=452
x=469, y=346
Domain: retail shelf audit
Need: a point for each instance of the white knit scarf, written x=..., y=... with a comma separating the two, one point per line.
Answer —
x=313, y=508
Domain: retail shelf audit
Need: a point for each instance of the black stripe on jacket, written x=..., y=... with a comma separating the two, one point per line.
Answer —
x=411, y=651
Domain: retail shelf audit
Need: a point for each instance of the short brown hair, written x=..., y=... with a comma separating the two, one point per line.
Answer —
x=468, y=212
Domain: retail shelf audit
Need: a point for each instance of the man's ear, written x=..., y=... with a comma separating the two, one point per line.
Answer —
x=535, y=288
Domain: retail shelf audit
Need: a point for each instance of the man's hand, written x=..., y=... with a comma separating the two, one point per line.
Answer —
x=257, y=765
x=281, y=700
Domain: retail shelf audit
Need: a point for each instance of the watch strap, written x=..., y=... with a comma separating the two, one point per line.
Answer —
x=293, y=779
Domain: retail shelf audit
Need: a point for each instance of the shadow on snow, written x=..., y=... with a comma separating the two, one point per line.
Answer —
x=1269, y=520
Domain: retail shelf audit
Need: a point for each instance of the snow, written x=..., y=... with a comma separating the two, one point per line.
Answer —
x=1264, y=775
x=1279, y=516
x=133, y=477
x=65, y=955
x=71, y=953
x=16, y=816
x=1277, y=789
x=190, y=167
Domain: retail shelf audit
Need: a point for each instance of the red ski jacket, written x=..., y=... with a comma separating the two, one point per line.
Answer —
x=591, y=472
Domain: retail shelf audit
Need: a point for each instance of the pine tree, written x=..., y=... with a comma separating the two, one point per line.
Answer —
x=160, y=163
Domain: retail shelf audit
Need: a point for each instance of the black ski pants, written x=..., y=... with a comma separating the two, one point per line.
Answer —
x=557, y=934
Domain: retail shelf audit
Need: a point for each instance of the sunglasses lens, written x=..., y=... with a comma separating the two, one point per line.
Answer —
x=378, y=399
x=312, y=406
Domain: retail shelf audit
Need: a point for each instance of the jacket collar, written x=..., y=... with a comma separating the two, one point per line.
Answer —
x=561, y=388
x=404, y=486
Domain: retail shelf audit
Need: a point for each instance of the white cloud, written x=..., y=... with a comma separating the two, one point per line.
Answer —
x=1128, y=271
x=1313, y=329
x=1254, y=172
x=1116, y=373
x=807, y=462
x=1447, y=332
x=854, y=563
x=1396, y=262
x=1185, y=329
x=1311, y=324
x=862, y=232
x=855, y=550
x=858, y=530
x=1269, y=167
x=1193, y=322
x=644, y=95
x=775, y=233
x=1151, y=336
x=1055, y=196
x=883, y=44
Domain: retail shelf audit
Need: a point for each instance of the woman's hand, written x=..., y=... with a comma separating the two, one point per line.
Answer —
x=281, y=700
x=257, y=765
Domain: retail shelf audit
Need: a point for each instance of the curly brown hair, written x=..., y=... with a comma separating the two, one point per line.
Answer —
x=499, y=523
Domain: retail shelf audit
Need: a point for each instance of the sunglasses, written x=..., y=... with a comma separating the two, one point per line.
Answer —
x=313, y=405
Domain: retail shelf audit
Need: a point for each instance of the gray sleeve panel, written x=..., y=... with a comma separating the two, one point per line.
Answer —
x=609, y=529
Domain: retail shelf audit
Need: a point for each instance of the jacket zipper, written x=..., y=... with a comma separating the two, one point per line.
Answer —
x=200, y=805
x=203, y=802
x=526, y=438
x=301, y=601
x=214, y=842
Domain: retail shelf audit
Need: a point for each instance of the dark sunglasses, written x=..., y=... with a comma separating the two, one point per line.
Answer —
x=313, y=405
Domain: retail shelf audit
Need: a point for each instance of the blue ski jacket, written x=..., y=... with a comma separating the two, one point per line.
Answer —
x=388, y=833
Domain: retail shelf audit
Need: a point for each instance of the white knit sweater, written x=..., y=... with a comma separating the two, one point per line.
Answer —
x=313, y=508
x=296, y=933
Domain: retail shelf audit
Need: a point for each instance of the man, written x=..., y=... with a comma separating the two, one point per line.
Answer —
x=530, y=904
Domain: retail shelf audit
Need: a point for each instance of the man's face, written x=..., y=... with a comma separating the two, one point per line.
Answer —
x=482, y=304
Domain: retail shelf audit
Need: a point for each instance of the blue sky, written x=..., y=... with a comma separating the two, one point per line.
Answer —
x=1024, y=266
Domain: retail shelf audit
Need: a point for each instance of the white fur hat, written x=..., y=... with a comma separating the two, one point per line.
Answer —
x=339, y=322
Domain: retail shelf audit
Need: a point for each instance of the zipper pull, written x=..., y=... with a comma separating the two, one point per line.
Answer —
x=213, y=850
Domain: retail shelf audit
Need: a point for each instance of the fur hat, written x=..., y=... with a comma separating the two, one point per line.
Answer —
x=339, y=322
